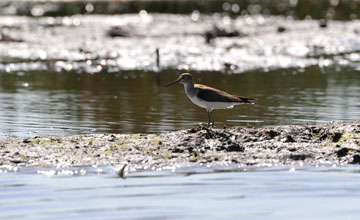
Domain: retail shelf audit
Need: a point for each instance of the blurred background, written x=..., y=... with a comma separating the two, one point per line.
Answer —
x=74, y=67
x=298, y=9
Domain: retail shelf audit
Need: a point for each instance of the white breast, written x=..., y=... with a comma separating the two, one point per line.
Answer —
x=211, y=105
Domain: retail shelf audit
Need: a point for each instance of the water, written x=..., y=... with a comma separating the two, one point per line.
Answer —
x=188, y=193
x=53, y=82
x=66, y=103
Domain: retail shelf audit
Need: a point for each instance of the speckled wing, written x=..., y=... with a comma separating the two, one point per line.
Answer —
x=214, y=95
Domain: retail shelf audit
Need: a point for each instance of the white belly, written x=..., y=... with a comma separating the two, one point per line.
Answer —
x=212, y=105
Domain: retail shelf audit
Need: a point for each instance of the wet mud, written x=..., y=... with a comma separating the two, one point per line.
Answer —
x=198, y=42
x=326, y=144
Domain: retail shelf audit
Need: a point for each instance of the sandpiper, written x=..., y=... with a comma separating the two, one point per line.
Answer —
x=209, y=98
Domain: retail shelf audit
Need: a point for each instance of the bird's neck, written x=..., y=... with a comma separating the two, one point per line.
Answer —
x=189, y=89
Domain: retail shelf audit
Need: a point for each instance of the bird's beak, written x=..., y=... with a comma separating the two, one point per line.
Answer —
x=178, y=80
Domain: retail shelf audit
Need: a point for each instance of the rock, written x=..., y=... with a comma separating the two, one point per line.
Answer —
x=229, y=66
x=193, y=160
x=17, y=161
x=292, y=149
x=254, y=139
x=221, y=32
x=26, y=141
x=247, y=139
x=209, y=36
x=271, y=134
x=190, y=149
x=289, y=139
x=193, y=130
x=323, y=137
x=177, y=150
x=315, y=130
x=356, y=159
x=220, y=148
x=323, y=23
x=342, y=152
x=336, y=137
x=298, y=156
x=281, y=29
x=7, y=38
x=235, y=148
x=187, y=139
x=112, y=138
x=117, y=32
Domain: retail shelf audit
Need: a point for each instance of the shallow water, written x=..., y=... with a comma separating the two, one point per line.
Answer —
x=53, y=82
x=66, y=103
x=257, y=193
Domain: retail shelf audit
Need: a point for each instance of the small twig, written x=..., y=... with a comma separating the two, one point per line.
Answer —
x=157, y=57
x=121, y=172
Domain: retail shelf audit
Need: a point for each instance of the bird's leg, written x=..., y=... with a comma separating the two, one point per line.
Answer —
x=209, y=118
x=212, y=119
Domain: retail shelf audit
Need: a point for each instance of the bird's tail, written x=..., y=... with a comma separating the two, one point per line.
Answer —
x=246, y=100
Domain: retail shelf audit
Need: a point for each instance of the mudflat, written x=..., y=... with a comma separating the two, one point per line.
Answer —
x=333, y=143
x=196, y=42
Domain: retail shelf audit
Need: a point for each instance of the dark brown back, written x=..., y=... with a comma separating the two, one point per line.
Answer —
x=214, y=95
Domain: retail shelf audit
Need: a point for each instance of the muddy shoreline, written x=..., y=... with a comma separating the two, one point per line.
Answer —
x=155, y=42
x=332, y=143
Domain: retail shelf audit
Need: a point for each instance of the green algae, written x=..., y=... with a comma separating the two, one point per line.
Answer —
x=348, y=136
x=24, y=157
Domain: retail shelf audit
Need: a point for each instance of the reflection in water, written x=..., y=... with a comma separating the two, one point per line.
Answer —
x=46, y=103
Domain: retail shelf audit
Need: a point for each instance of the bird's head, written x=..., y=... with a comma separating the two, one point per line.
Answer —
x=183, y=78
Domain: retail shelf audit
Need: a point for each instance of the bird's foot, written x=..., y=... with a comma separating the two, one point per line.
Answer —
x=211, y=125
x=210, y=133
